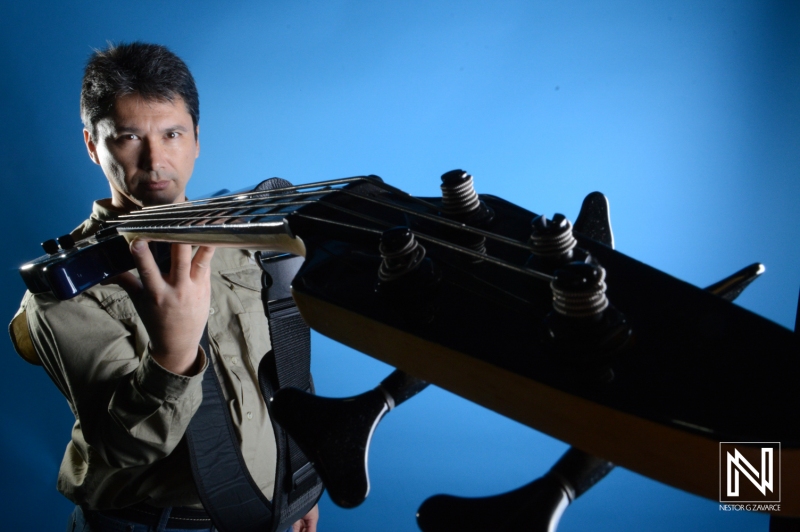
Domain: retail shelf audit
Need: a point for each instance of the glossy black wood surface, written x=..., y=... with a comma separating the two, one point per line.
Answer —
x=696, y=362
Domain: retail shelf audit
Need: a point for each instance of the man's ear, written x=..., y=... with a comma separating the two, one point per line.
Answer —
x=91, y=147
x=197, y=141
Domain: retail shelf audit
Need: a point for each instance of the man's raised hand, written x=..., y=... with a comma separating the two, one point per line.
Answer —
x=174, y=306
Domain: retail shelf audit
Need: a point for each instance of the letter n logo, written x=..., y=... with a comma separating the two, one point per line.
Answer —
x=749, y=472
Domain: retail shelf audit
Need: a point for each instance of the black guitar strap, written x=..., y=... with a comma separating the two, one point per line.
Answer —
x=228, y=492
x=288, y=364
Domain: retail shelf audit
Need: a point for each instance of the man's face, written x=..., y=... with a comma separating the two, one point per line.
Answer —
x=147, y=150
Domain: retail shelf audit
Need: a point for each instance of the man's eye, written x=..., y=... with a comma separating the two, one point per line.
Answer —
x=173, y=135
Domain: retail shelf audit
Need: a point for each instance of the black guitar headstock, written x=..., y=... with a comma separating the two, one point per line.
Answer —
x=551, y=327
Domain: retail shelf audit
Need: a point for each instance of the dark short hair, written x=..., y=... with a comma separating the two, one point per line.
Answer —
x=149, y=70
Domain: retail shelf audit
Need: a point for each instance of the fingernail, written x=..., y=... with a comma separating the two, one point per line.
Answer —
x=138, y=245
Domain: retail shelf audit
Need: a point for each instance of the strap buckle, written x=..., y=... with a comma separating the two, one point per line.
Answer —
x=302, y=475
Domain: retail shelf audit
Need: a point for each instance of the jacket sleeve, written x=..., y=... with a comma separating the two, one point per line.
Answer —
x=131, y=410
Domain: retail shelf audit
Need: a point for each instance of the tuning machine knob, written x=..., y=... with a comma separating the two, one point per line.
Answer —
x=579, y=291
x=51, y=246
x=66, y=242
x=56, y=245
x=553, y=244
x=585, y=330
x=461, y=202
x=458, y=193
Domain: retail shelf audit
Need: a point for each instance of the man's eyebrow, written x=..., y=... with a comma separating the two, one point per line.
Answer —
x=177, y=127
x=124, y=128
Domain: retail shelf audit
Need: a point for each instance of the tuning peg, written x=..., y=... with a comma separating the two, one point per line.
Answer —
x=66, y=242
x=551, y=240
x=535, y=507
x=732, y=286
x=461, y=202
x=579, y=290
x=587, y=333
x=553, y=244
x=458, y=193
x=335, y=433
x=594, y=219
x=405, y=272
x=51, y=246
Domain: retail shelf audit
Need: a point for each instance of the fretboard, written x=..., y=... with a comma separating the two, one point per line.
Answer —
x=256, y=219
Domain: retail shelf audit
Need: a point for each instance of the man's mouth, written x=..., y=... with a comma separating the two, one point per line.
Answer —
x=154, y=186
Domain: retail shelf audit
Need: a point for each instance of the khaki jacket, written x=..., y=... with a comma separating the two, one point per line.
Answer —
x=130, y=413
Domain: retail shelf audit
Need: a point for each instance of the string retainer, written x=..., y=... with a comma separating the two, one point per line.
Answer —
x=405, y=274
x=400, y=253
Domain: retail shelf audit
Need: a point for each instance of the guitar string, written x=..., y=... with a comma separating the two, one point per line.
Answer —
x=488, y=258
x=504, y=264
x=220, y=216
x=449, y=245
x=242, y=198
x=443, y=221
x=422, y=236
x=432, y=218
x=248, y=195
x=197, y=207
x=278, y=203
x=163, y=216
x=256, y=193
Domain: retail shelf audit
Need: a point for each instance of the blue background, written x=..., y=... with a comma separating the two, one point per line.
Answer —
x=685, y=114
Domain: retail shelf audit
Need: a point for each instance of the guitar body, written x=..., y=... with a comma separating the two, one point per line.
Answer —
x=70, y=272
x=694, y=370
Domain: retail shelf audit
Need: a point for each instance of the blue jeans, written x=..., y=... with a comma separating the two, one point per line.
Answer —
x=103, y=523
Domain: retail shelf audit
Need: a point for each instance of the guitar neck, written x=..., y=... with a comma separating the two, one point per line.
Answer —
x=279, y=219
x=251, y=220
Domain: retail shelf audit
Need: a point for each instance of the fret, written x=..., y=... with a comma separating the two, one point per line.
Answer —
x=249, y=209
x=175, y=221
x=237, y=208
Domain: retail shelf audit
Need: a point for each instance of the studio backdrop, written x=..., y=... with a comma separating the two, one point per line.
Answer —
x=684, y=114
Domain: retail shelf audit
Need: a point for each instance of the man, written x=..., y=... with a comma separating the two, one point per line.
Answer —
x=127, y=355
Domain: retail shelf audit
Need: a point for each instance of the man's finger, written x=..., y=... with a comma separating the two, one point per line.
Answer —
x=181, y=261
x=201, y=263
x=146, y=264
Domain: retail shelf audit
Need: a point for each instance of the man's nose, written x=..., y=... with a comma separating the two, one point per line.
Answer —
x=153, y=156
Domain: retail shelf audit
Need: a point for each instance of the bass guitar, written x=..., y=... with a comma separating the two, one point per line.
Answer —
x=529, y=316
